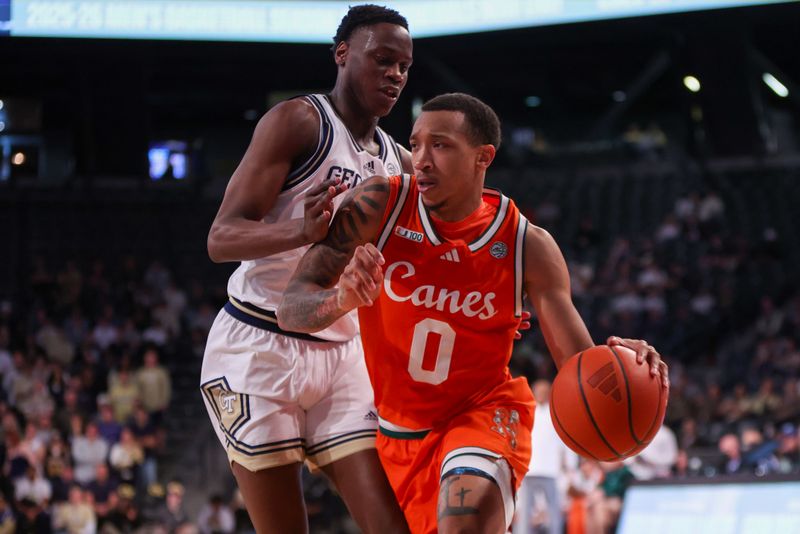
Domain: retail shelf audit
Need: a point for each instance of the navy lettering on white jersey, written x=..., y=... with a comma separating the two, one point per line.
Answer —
x=262, y=282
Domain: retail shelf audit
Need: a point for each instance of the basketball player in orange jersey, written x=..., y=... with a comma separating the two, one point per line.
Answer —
x=277, y=398
x=437, y=267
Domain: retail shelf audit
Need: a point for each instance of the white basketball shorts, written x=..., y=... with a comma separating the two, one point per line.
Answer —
x=276, y=399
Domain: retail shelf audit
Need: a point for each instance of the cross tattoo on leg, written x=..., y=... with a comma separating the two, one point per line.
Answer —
x=445, y=508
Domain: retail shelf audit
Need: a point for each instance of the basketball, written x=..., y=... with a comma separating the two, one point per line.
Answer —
x=606, y=406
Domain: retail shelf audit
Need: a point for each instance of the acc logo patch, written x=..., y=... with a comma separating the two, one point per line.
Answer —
x=499, y=250
x=232, y=409
x=391, y=169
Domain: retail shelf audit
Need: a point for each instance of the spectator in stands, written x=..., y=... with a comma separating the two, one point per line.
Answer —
x=107, y=426
x=76, y=327
x=101, y=490
x=765, y=402
x=155, y=386
x=57, y=385
x=8, y=522
x=148, y=437
x=759, y=456
x=66, y=414
x=156, y=333
x=53, y=341
x=126, y=456
x=7, y=369
x=32, y=518
x=770, y=321
x=216, y=517
x=124, y=515
x=22, y=385
x=584, y=484
x=105, y=332
x=58, y=458
x=605, y=504
x=38, y=403
x=657, y=459
x=173, y=514
x=730, y=447
x=32, y=447
x=790, y=401
x=711, y=208
x=243, y=522
x=540, y=504
x=130, y=336
x=669, y=229
x=123, y=394
x=788, y=448
x=88, y=451
x=34, y=487
x=75, y=516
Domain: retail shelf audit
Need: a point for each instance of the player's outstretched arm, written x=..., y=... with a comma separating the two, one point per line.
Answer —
x=345, y=259
x=284, y=138
x=548, y=288
x=547, y=285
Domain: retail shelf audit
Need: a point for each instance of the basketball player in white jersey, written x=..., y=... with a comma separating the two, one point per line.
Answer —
x=276, y=398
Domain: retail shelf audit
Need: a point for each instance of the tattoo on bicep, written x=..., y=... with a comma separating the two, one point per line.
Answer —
x=371, y=203
x=380, y=187
x=345, y=229
x=362, y=216
x=456, y=508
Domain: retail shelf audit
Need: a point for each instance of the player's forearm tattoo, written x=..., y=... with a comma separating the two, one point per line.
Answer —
x=307, y=309
x=309, y=306
x=311, y=312
x=456, y=508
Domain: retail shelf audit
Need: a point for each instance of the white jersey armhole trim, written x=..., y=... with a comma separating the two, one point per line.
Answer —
x=405, y=185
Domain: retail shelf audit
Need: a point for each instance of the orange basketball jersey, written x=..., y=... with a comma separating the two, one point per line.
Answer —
x=443, y=326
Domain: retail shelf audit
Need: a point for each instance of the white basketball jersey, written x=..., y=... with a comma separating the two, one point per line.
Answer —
x=262, y=282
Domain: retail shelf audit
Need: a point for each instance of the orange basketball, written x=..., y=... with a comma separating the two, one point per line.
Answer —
x=606, y=406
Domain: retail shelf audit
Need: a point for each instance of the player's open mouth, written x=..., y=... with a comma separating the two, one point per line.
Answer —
x=425, y=184
x=391, y=92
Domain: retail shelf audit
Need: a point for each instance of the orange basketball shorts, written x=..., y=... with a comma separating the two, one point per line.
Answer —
x=499, y=426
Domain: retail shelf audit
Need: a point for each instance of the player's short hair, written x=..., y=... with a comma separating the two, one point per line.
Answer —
x=483, y=126
x=366, y=15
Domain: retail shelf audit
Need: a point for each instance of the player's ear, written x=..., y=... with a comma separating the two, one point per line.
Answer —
x=340, y=53
x=486, y=154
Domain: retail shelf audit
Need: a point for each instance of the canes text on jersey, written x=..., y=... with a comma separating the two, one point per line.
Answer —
x=473, y=303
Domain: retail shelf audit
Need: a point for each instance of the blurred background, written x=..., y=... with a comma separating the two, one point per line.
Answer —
x=658, y=141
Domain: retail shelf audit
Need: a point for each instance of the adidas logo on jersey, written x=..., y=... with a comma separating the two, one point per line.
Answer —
x=451, y=255
x=369, y=167
x=371, y=416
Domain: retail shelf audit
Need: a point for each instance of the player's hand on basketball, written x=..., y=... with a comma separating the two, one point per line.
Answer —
x=524, y=324
x=644, y=351
x=318, y=209
x=361, y=282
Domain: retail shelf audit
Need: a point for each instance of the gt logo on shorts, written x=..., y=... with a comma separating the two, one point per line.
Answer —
x=227, y=400
x=232, y=409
